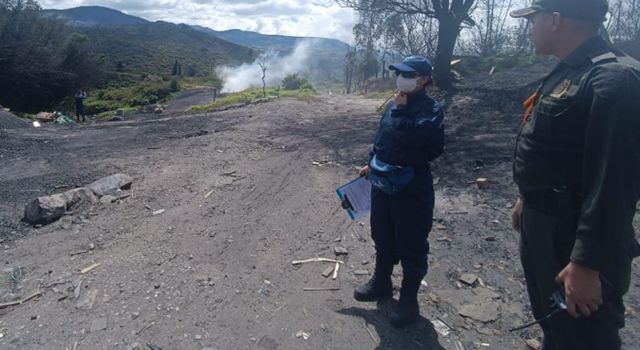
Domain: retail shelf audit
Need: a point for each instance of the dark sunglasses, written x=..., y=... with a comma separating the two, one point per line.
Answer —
x=407, y=74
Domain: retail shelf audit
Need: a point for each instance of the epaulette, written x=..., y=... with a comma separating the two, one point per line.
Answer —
x=607, y=56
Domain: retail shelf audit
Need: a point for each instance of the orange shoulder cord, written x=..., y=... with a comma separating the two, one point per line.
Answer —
x=529, y=104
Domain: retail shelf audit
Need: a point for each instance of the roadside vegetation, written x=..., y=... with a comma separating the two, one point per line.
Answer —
x=293, y=86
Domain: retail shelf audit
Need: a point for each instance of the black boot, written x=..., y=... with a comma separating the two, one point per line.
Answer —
x=379, y=286
x=407, y=309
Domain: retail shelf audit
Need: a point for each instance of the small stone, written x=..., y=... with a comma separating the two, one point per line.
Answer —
x=198, y=337
x=365, y=262
x=328, y=271
x=89, y=299
x=107, y=199
x=133, y=346
x=533, y=344
x=483, y=183
x=469, y=279
x=485, y=312
x=441, y=227
x=361, y=272
x=303, y=335
x=98, y=325
x=135, y=315
x=490, y=239
x=157, y=286
x=1, y=335
x=158, y=212
x=341, y=251
x=92, y=246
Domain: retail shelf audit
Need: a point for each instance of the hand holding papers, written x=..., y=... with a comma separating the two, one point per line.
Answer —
x=356, y=197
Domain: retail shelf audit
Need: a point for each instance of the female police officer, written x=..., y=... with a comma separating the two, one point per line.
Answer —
x=410, y=135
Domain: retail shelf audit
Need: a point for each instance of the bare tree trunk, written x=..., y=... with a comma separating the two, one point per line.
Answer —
x=447, y=35
x=263, y=67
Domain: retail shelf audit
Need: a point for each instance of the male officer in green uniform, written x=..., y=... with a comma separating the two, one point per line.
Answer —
x=577, y=166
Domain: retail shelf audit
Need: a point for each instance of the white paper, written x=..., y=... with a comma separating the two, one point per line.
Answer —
x=358, y=193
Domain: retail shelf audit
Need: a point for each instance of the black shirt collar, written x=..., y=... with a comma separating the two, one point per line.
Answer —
x=585, y=51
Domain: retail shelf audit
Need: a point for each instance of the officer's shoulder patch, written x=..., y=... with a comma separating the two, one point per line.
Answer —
x=604, y=57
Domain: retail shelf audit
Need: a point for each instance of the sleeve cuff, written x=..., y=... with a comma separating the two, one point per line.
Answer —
x=586, y=253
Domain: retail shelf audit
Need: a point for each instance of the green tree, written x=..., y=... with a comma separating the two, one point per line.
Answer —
x=174, y=71
x=41, y=60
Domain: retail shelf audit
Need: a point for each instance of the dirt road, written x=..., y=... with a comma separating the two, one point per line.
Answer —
x=244, y=193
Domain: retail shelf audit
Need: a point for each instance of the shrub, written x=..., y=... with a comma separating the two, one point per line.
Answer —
x=174, y=86
x=295, y=82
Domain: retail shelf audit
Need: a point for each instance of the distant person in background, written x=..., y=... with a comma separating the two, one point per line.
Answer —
x=80, y=96
x=410, y=135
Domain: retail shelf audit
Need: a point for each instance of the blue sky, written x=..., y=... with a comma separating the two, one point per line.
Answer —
x=320, y=18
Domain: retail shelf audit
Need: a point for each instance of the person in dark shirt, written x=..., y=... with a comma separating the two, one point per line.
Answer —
x=80, y=96
x=410, y=135
x=577, y=166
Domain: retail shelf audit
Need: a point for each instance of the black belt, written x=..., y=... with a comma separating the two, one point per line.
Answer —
x=553, y=202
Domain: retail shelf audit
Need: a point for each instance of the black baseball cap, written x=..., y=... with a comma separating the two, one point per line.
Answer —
x=586, y=10
x=414, y=64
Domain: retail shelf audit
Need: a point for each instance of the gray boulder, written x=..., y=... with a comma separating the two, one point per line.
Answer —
x=44, y=210
x=111, y=184
x=79, y=195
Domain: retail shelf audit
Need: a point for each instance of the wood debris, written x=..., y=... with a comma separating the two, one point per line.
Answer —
x=20, y=302
x=326, y=273
x=320, y=289
x=89, y=268
x=373, y=336
x=300, y=262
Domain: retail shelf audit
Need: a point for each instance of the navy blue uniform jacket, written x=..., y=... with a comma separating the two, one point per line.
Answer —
x=412, y=135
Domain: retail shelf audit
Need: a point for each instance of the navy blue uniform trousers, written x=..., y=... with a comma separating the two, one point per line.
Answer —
x=400, y=225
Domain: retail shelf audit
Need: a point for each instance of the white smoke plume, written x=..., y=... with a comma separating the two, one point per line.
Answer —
x=250, y=75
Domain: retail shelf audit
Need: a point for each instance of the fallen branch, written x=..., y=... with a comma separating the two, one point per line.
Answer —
x=375, y=339
x=300, y=262
x=330, y=289
x=20, y=302
x=89, y=268
x=122, y=197
x=335, y=271
x=80, y=252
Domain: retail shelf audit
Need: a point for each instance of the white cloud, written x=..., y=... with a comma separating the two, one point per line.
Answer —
x=317, y=18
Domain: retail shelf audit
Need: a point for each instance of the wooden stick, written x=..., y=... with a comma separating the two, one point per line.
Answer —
x=335, y=271
x=300, y=262
x=375, y=339
x=310, y=289
x=20, y=302
x=89, y=268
